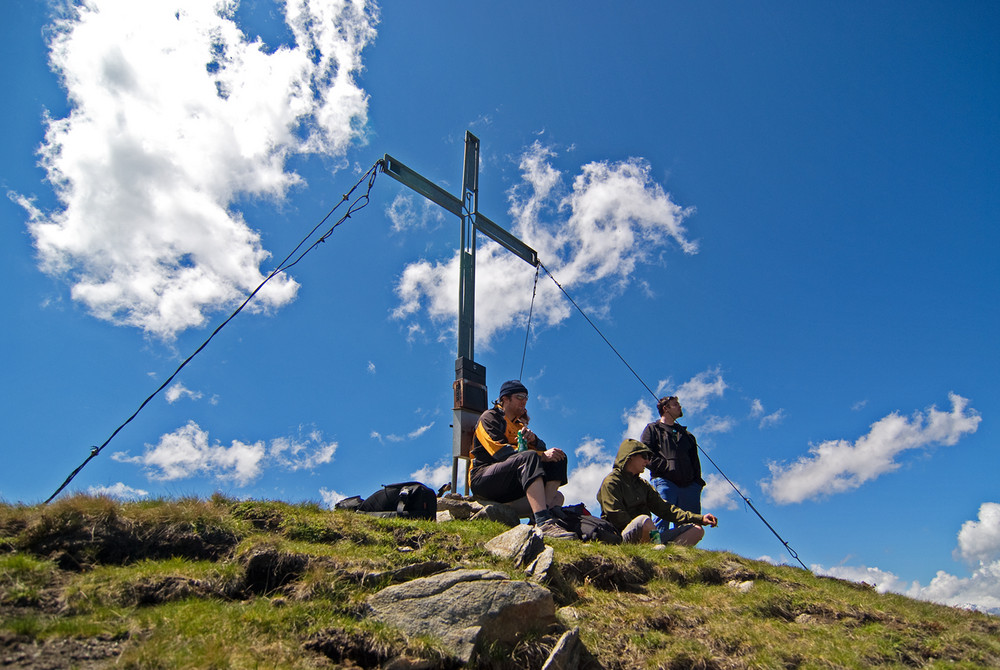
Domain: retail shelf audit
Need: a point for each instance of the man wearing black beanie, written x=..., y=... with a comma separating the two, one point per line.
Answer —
x=509, y=461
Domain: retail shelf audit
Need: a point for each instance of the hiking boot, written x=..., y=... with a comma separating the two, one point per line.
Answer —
x=553, y=530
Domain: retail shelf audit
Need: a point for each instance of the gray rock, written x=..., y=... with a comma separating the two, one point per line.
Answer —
x=465, y=607
x=566, y=654
x=541, y=569
x=457, y=506
x=521, y=543
x=505, y=514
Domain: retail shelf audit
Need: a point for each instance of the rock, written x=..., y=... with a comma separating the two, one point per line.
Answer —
x=465, y=607
x=505, y=514
x=521, y=543
x=457, y=506
x=566, y=654
x=541, y=569
x=742, y=587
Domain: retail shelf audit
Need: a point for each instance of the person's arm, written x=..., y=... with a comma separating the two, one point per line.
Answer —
x=665, y=510
x=657, y=464
x=696, y=460
x=491, y=432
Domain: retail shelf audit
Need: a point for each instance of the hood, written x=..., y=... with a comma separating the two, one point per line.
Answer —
x=627, y=448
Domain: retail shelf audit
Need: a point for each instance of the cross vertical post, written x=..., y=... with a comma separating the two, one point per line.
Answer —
x=469, y=388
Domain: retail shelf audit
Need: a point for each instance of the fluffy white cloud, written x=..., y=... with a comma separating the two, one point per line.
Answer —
x=979, y=541
x=436, y=476
x=303, y=452
x=330, y=498
x=695, y=394
x=594, y=461
x=174, y=115
x=612, y=218
x=836, y=466
x=980, y=591
x=718, y=494
x=187, y=452
x=636, y=418
x=119, y=491
x=178, y=391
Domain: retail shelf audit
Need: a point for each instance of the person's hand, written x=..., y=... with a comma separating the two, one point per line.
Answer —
x=551, y=455
x=710, y=520
x=529, y=437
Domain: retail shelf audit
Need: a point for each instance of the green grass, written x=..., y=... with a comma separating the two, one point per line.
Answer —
x=222, y=583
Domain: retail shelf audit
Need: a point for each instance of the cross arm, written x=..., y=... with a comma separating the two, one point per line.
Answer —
x=422, y=185
x=436, y=194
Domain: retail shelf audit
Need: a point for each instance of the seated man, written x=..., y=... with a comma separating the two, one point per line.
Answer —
x=502, y=472
x=627, y=501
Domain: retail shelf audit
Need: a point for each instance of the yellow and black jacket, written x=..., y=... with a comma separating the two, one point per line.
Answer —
x=495, y=439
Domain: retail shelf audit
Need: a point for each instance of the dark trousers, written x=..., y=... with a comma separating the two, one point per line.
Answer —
x=508, y=480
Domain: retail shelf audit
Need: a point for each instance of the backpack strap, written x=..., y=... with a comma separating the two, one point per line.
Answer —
x=404, y=493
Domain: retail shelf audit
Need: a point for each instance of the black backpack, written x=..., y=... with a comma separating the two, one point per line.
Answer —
x=408, y=500
x=577, y=519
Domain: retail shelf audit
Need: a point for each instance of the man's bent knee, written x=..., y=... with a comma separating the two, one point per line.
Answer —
x=691, y=537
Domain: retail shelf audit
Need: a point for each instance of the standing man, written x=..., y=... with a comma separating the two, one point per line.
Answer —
x=509, y=461
x=675, y=467
x=627, y=501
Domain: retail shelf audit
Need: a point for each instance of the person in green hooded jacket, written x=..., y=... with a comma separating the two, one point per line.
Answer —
x=628, y=501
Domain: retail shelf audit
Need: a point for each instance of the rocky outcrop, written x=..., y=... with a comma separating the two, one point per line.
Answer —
x=465, y=608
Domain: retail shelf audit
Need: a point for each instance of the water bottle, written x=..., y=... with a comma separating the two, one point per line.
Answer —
x=522, y=443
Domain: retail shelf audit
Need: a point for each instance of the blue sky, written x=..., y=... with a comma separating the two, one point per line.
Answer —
x=785, y=213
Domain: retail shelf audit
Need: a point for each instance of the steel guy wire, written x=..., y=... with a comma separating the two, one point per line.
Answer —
x=359, y=203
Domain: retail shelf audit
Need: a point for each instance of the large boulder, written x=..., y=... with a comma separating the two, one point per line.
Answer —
x=465, y=607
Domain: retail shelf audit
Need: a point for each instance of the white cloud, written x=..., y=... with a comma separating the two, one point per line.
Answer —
x=407, y=213
x=593, y=451
x=772, y=419
x=756, y=408
x=438, y=475
x=178, y=391
x=612, y=218
x=119, y=491
x=979, y=591
x=636, y=419
x=718, y=493
x=175, y=116
x=330, y=498
x=371, y=367
x=594, y=463
x=694, y=394
x=717, y=424
x=837, y=466
x=186, y=452
x=302, y=452
x=979, y=541
x=412, y=435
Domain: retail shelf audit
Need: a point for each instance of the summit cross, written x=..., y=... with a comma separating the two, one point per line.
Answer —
x=470, y=377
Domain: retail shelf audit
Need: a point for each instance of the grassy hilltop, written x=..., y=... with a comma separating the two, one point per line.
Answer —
x=90, y=583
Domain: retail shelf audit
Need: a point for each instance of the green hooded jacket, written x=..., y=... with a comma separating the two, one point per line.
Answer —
x=624, y=496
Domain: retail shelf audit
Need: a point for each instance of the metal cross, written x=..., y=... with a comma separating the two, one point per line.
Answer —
x=470, y=377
